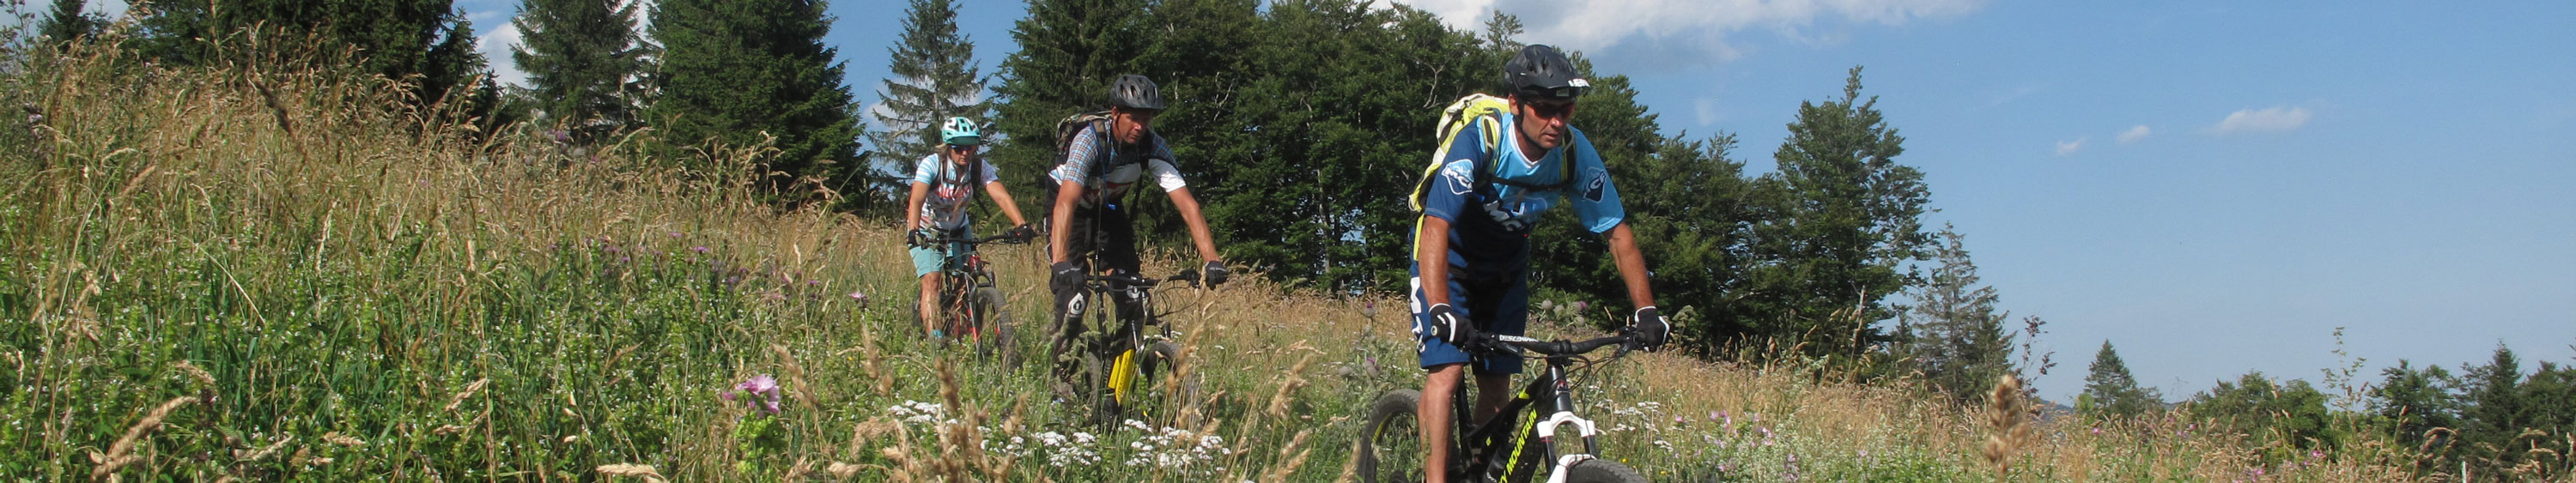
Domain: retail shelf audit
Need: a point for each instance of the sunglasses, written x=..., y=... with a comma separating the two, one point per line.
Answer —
x=1550, y=110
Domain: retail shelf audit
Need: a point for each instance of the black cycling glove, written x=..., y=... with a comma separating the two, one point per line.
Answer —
x=1213, y=275
x=1021, y=233
x=1445, y=325
x=919, y=238
x=1066, y=277
x=1651, y=329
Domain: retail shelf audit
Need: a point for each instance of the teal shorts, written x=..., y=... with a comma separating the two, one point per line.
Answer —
x=927, y=261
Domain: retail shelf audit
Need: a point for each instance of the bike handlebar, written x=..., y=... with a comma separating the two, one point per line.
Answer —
x=1135, y=281
x=1559, y=348
x=1005, y=238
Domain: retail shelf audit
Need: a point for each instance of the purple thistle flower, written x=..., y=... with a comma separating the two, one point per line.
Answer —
x=677, y=234
x=698, y=249
x=759, y=385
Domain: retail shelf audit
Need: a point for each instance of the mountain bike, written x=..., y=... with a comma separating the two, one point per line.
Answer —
x=1116, y=362
x=969, y=306
x=1519, y=444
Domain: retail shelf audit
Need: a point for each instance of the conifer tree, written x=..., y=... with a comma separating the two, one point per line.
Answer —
x=1848, y=218
x=1956, y=335
x=2412, y=401
x=2496, y=412
x=421, y=41
x=2110, y=391
x=455, y=75
x=1069, y=52
x=582, y=59
x=934, y=78
x=67, y=22
x=732, y=71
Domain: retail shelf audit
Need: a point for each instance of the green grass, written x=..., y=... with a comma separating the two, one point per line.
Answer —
x=333, y=287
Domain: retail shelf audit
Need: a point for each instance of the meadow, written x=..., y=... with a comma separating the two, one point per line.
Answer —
x=276, y=270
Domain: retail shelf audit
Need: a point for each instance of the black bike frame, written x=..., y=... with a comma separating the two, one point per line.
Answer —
x=1494, y=436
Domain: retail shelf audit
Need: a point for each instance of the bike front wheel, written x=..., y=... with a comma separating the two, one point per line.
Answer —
x=998, y=342
x=1602, y=471
x=1390, y=447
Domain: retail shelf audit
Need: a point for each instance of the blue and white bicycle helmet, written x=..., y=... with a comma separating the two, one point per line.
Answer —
x=959, y=131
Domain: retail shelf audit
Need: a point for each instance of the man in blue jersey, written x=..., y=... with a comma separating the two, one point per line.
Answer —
x=1471, y=253
x=1105, y=161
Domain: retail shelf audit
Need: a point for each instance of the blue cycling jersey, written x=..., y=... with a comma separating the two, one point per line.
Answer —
x=1489, y=225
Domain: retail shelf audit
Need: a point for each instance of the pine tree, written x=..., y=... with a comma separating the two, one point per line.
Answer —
x=2411, y=402
x=67, y=22
x=582, y=60
x=934, y=78
x=733, y=70
x=1499, y=38
x=2496, y=412
x=1069, y=52
x=2109, y=390
x=1957, y=334
x=454, y=73
x=1848, y=217
x=423, y=42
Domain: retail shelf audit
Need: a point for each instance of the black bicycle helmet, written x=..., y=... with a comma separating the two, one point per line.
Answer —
x=1542, y=71
x=1136, y=92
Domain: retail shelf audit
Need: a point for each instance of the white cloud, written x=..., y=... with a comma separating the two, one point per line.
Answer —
x=1591, y=26
x=2134, y=134
x=2070, y=147
x=496, y=51
x=1706, y=108
x=2273, y=119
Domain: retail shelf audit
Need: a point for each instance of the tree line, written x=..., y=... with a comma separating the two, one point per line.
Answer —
x=1301, y=124
x=1335, y=96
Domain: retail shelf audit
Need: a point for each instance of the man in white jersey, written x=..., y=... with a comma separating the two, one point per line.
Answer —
x=1105, y=161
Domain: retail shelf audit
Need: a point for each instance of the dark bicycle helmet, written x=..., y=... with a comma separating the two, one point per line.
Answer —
x=1136, y=92
x=1542, y=71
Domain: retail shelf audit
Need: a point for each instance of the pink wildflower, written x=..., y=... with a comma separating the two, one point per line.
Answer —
x=760, y=385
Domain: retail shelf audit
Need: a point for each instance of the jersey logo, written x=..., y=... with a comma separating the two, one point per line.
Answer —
x=1594, y=191
x=1461, y=177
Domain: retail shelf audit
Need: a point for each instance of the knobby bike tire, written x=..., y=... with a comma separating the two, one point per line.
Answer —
x=1100, y=316
x=1156, y=399
x=1602, y=471
x=999, y=342
x=1390, y=447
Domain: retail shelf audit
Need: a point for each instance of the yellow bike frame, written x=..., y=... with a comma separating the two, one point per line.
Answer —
x=1122, y=375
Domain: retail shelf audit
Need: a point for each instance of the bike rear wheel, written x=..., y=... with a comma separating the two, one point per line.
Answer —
x=1390, y=447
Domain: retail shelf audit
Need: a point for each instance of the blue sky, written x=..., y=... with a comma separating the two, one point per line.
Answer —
x=2212, y=186
x=2399, y=169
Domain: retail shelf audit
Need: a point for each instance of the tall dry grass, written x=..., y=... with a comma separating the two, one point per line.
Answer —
x=335, y=285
